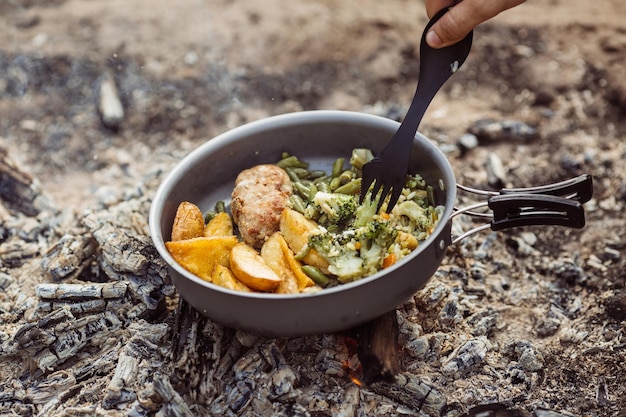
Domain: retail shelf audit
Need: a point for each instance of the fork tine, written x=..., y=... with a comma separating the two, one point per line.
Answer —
x=395, y=195
x=383, y=195
x=366, y=182
x=376, y=189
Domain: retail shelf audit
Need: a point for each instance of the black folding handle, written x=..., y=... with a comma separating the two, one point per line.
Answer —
x=579, y=188
x=522, y=209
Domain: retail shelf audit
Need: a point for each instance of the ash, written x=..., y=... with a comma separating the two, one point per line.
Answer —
x=526, y=322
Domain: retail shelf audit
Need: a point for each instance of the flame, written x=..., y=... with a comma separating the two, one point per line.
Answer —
x=352, y=368
x=356, y=380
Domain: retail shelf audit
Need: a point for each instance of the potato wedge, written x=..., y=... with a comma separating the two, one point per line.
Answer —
x=294, y=265
x=250, y=268
x=272, y=254
x=188, y=222
x=200, y=255
x=296, y=229
x=220, y=225
x=223, y=277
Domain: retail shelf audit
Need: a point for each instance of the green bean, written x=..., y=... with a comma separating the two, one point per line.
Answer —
x=300, y=172
x=302, y=189
x=335, y=183
x=316, y=275
x=303, y=253
x=353, y=187
x=323, y=186
x=312, y=191
x=292, y=161
x=323, y=178
x=209, y=215
x=297, y=203
x=338, y=167
x=220, y=207
x=316, y=173
x=292, y=175
x=347, y=176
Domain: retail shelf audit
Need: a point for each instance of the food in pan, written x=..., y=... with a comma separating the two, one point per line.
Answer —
x=299, y=230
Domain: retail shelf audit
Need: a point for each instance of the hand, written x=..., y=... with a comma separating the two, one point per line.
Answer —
x=463, y=16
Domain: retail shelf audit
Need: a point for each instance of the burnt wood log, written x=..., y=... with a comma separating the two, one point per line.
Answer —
x=378, y=348
x=18, y=190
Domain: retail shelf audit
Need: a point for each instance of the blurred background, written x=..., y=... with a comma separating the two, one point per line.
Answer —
x=186, y=70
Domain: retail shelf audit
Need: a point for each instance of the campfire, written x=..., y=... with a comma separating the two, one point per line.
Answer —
x=522, y=323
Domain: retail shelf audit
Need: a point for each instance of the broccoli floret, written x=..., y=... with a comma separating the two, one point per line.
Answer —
x=365, y=211
x=354, y=253
x=415, y=182
x=338, y=208
x=339, y=251
x=374, y=240
x=414, y=212
x=379, y=232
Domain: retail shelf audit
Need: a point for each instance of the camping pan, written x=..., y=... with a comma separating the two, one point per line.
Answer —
x=207, y=175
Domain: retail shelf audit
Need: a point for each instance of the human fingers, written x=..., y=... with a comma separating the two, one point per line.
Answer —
x=463, y=17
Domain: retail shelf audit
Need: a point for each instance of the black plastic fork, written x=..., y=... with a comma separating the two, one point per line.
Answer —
x=388, y=170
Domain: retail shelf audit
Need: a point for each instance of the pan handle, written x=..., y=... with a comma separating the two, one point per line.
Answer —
x=559, y=204
x=579, y=188
x=514, y=210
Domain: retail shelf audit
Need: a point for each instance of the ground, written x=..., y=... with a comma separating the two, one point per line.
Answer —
x=187, y=70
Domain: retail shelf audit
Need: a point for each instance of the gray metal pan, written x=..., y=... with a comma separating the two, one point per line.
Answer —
x=207, y=175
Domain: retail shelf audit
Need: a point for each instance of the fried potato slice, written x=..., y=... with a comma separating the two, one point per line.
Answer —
x=223, y=277
x=249, y=267
x=220, y=225
x=303, y=279
x=200, y=255
x=272, y=254
x=188, y=222
x=296, y=229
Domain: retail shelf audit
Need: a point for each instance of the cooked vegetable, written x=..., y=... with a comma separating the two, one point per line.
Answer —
x=223, y=277
x=250, y=268
x=360, y=157
x=357, y=240
x=302, y=278
x=354, y=253
x=200, y=255
x=375, y=239
x=220, y=225
x=301, y=229
x=337, y=208
x=188, y=222
x=316, y=275
x=339, y=250
x=296, y=229
x=272, y=254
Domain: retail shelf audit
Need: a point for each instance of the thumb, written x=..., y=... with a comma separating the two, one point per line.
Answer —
x=453, y=26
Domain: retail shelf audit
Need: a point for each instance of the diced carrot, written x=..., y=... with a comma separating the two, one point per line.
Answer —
x=389, y=260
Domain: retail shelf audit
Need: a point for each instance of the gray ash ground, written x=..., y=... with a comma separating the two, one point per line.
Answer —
x=540, y=310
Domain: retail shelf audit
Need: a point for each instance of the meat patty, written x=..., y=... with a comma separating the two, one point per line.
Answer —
x=258, y=199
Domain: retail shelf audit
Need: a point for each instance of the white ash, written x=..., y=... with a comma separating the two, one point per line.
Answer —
x=95, y=318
